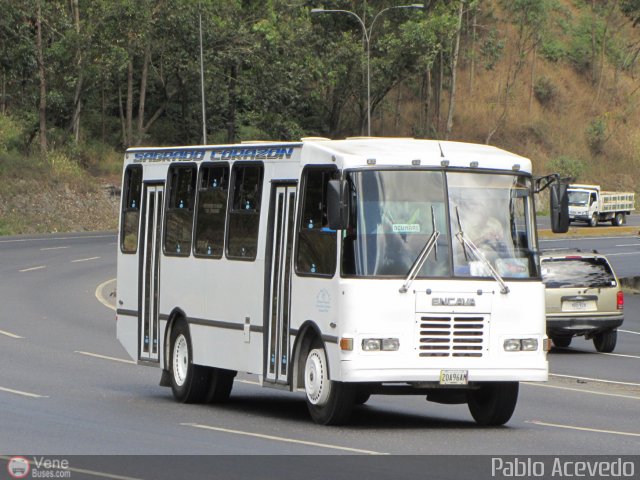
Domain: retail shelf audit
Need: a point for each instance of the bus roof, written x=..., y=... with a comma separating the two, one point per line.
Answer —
x=403, y=151
x=361, y=151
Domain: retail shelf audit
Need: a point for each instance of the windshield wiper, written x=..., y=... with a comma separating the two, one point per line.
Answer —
x=466, y=243
x=423, y=255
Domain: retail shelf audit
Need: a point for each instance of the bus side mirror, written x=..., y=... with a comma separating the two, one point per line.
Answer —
x=337, y=204
x=559, y=207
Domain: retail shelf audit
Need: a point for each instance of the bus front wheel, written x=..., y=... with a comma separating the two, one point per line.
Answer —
x=329, y=402
x=493, y=403
x=189, y=382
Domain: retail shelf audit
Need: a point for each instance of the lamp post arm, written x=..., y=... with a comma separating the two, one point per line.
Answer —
x=353, y=14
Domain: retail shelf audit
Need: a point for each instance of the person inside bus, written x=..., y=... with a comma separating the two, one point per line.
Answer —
x=491, y=239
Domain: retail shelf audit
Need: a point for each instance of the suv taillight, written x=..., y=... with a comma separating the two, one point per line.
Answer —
x=620, y=303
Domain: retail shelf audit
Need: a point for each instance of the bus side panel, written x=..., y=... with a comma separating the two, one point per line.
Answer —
x=317, y=300
x=228, y=292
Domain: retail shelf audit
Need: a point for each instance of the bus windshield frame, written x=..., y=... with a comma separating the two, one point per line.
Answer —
x=393, y=212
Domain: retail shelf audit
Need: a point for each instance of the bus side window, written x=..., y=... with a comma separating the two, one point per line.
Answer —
x=181, y=182
x=316, y=253
x=211, y=213
x=244, y=214
x=131, y=195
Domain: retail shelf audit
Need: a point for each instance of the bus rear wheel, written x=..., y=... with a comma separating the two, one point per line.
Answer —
x=329, y=402
x=189, y=382
x=493, y=403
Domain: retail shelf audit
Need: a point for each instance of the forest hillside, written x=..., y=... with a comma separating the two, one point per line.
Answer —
x=553, y=80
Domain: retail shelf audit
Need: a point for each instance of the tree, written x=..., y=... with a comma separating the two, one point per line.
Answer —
x=42, y=111
x=529, y=18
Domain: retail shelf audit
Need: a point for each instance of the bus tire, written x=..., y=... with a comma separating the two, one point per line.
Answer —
x=189, y=382
x=329, y=402
x=493, y=403
x=220, y=385
x=605, y=341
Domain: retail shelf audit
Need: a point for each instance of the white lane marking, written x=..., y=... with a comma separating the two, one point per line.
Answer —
x=52, y=248
x=9, y=334
x=88, y=472
x=105, y=357
x=248, y=382
x=583, y=429
x=24, y=394
x=629, y=331
x=572, y=239
x=622, y=253
x=101, y=298
x=613, y=382
x=621, y=355
x=84, y=259
x=579, y=390
x=281, y=439
x=629, y=245
x=23, y=240
x=40, y=267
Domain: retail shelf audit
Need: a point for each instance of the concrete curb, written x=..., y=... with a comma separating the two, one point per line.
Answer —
x=106, y=293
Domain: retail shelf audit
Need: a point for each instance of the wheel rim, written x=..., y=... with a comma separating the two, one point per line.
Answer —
x=316, y=382
x=180, y=360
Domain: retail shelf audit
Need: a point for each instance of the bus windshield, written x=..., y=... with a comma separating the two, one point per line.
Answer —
x=395, y=212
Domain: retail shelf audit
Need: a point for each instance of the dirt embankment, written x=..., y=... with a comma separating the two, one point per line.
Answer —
x=30, y=207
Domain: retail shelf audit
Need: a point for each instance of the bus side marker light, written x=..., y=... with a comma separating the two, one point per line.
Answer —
x=346, y=344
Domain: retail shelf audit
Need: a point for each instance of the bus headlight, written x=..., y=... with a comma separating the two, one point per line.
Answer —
x=512, y=345
x=371, y=344
x=390, y=344
x=521, y=345
x=380, y=344
x=529, y=344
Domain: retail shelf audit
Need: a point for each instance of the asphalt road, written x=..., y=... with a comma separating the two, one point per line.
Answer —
x=67, y=388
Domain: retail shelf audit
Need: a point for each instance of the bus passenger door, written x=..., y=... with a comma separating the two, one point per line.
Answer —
x=150, y=269
x=281, y=214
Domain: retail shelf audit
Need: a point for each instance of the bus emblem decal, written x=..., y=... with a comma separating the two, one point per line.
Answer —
x=453, y=302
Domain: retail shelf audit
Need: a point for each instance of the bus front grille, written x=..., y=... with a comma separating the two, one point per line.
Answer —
x=451, y=336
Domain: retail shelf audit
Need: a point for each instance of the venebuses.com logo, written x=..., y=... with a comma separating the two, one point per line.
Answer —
x=18, y=467
x=38, y=467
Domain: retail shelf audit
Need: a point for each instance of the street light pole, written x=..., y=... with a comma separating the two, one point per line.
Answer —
x=367, y=38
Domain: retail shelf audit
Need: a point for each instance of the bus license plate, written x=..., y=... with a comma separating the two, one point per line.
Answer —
x=453, y=377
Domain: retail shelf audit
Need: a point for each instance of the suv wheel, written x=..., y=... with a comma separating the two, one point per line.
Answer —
x=605, y=341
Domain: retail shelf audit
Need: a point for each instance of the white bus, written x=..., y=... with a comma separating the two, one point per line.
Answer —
x=338, y=268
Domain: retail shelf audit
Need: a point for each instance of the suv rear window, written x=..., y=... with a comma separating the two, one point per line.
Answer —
x=577, y=272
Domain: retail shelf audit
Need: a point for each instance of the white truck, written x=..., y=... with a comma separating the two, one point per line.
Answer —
x=587, y=203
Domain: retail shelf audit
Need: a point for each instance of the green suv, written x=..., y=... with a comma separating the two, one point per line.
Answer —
x=583, y=297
